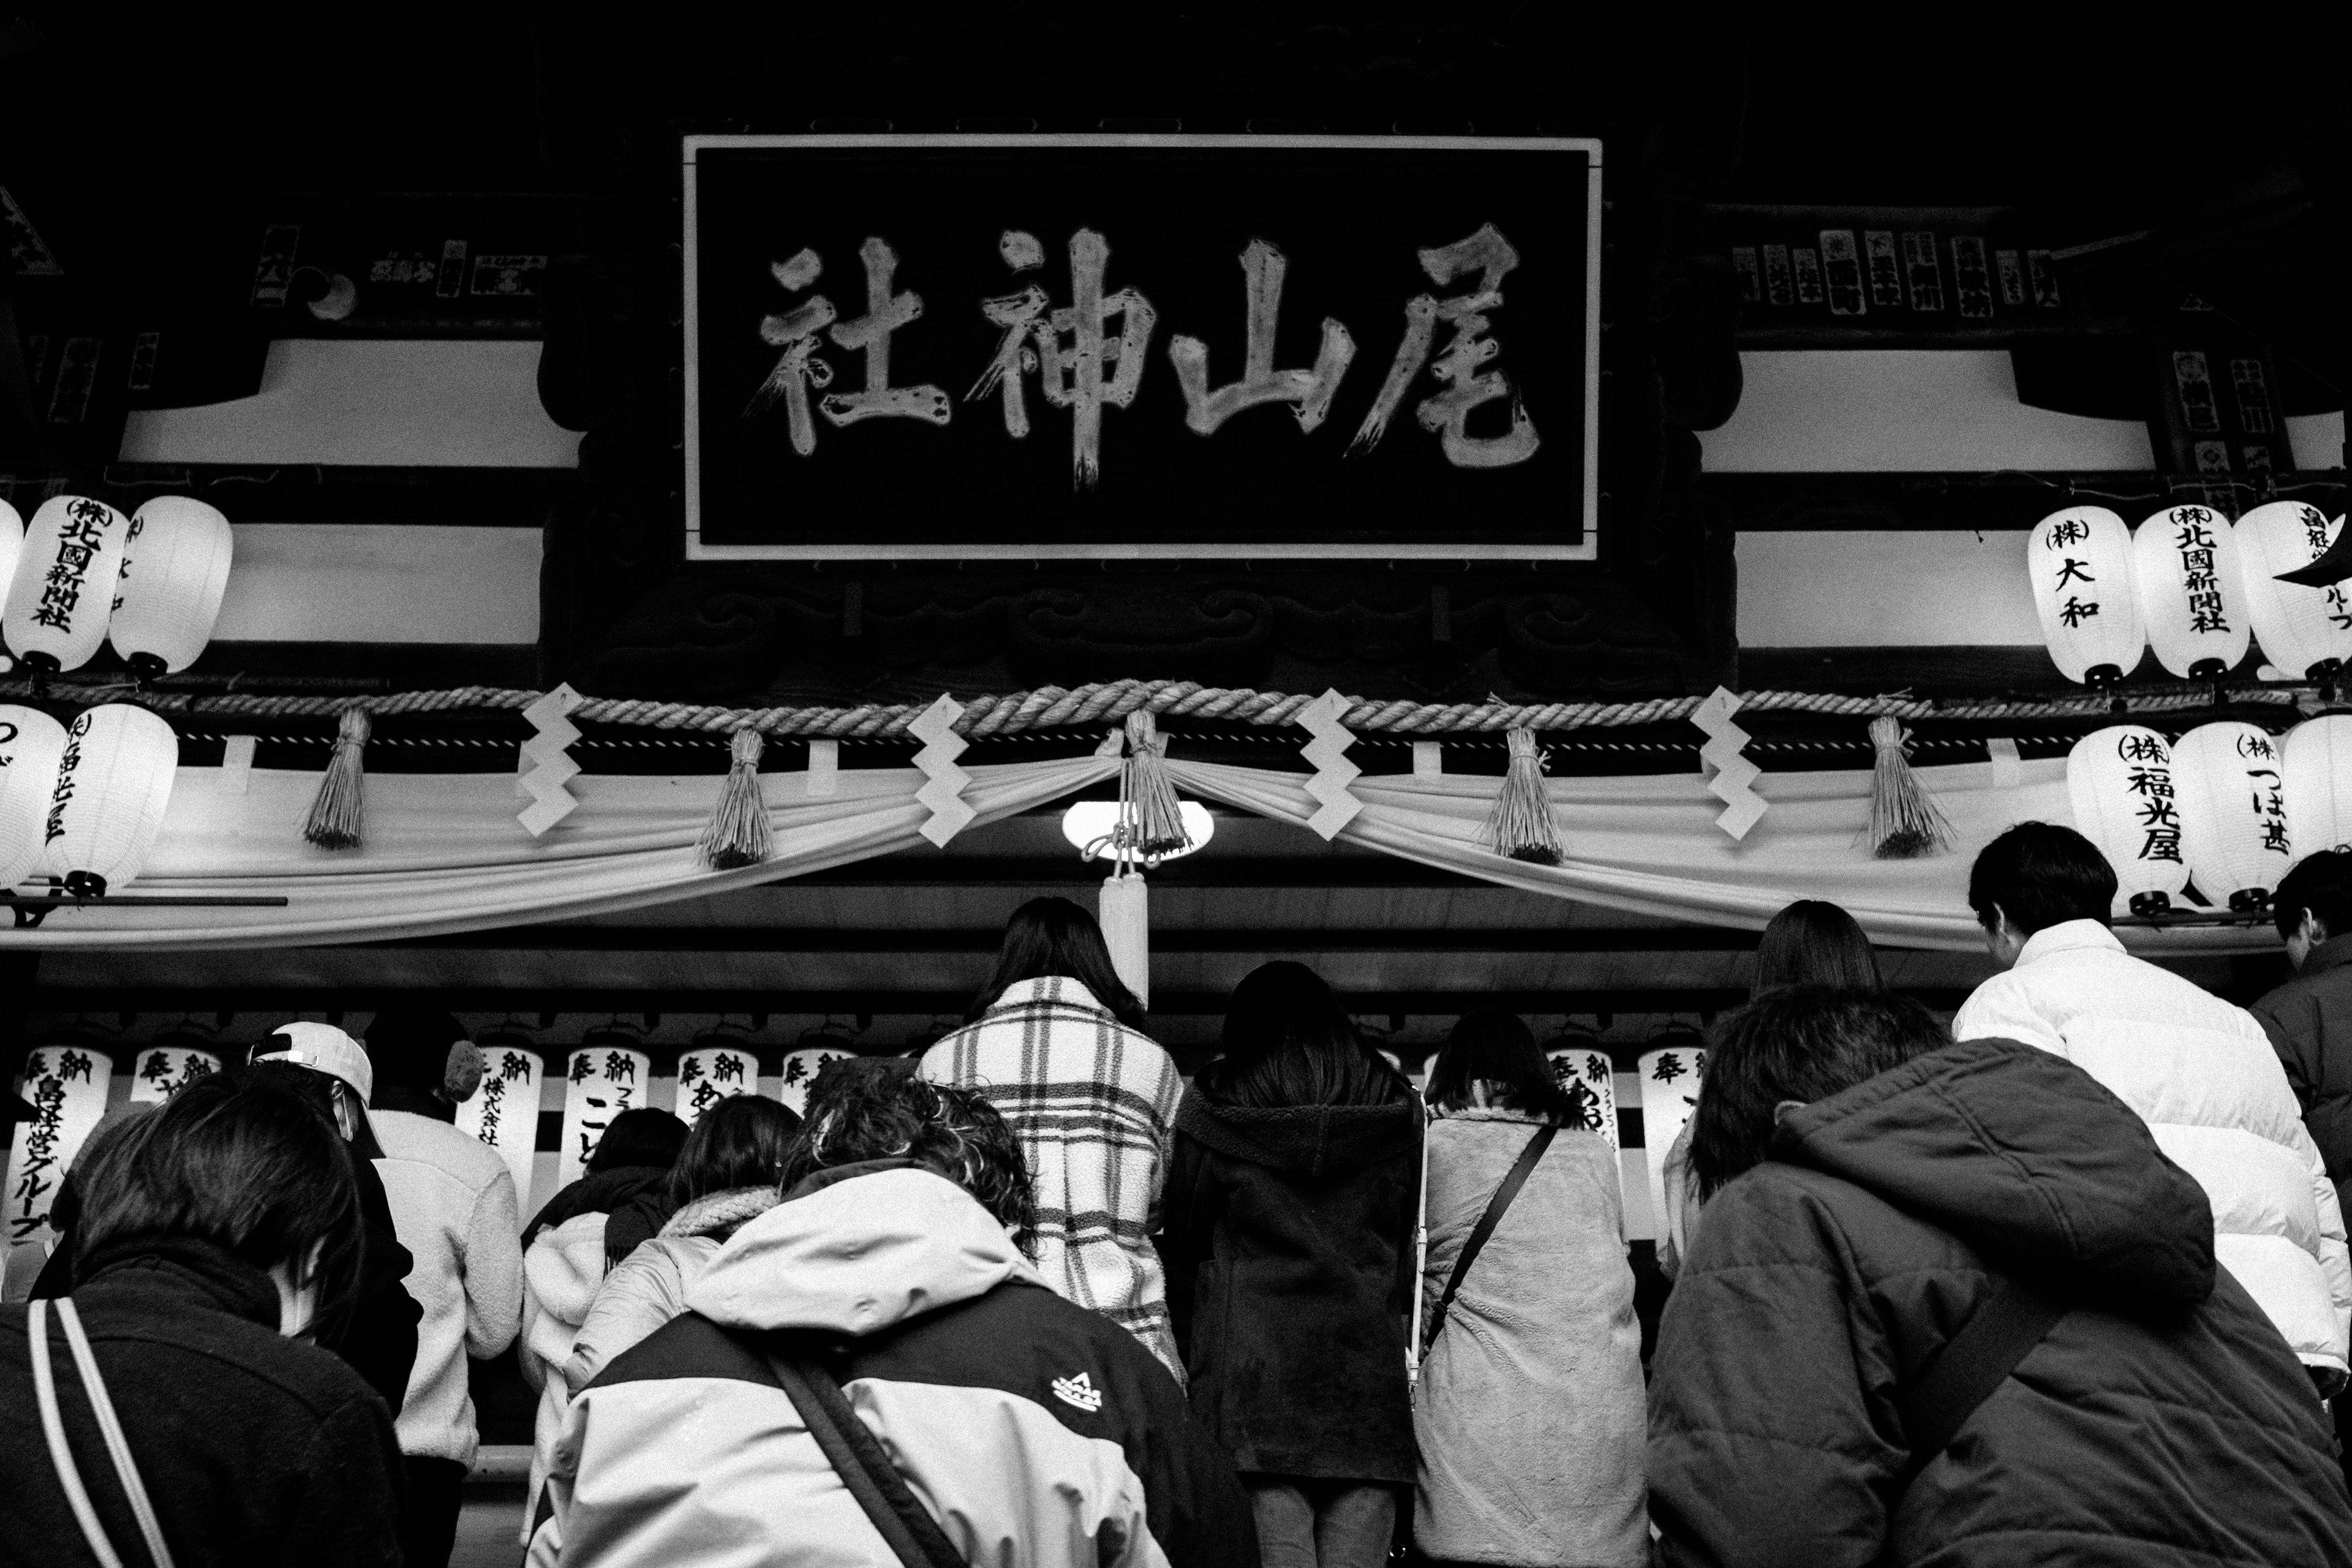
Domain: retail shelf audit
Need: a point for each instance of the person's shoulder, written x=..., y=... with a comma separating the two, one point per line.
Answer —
x=422, y=1139
x=269, y=1371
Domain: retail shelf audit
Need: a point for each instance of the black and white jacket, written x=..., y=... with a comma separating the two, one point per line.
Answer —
x=1035, y=1431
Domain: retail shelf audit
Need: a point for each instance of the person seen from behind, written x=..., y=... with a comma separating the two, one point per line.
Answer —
x=1873, y=1189
x=218, y=1238
x=1292, y=1201
x=1809, y=943
x=1056, y=1041
x=1529, y=1411
x=378, y=1337
x=452, y=1203
x=2198, y=1070
x=888, y=1291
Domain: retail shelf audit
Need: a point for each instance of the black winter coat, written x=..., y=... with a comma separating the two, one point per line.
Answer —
x=2309, y=1021
x=256, y=1450
x=2162, y=1421
x=1288, y=1240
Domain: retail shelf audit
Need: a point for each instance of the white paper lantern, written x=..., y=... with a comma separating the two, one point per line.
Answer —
x=164, y=1070
x=2080, y=561
x=2119, y=780
x=174, y=569
x=114, y=781
x=800, y=1071
x=12, y=543
x=603, y=1081
x=1582, y=1069
x=2318, y=768
x=67, y=1086
x=504, y=1111
x=30, y=744
x=714, y=1073
x=2233, y=822
x=1670, y=1081
x=2192, y=596
x=63, y=591
x=2304, y=631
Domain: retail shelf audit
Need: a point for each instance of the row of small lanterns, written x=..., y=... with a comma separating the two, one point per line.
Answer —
x=81, y=802
x=2228, y=805
x=2190, y=584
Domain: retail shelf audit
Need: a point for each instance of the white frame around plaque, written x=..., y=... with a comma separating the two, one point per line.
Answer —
x=1588, y=548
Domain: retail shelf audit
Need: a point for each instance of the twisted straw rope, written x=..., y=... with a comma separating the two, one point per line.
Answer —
x=1054, y=707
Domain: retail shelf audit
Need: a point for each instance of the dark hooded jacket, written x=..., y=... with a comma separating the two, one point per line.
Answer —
x=2162, y=1421
x=1288, y=1240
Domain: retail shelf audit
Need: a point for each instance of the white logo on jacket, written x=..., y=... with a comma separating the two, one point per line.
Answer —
x=1079, y=1390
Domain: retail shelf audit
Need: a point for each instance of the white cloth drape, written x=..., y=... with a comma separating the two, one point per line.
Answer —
x=444, y=853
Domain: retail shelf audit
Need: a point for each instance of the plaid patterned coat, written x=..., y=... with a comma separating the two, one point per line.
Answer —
x=1095, y=1105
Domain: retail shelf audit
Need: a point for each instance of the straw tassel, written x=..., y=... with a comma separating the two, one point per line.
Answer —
x=737, y=834
x=1149, y=821
x=336, y=814
x=1904, y=822
x=1522, y=825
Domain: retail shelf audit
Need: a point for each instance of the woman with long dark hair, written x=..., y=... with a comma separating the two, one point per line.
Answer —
x=1808, y=943
x=216, y=1236
x=1290, y=1214
x=1055, y=1041
x=1528, y=1414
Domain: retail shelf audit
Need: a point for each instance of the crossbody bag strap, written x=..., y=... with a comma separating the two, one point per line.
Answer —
x=118, y=1448
x=1496, y=1207
x=2018, y=1315
x=857, y=1457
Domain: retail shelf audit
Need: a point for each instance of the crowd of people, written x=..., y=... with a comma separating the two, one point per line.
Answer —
x=2064, y=1280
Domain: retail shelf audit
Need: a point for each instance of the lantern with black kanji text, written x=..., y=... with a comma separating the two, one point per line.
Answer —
x=2080, y=562
x=2192, y=597
x=2302, y=630
x=55, y=614
x=30, y=744
x=175, y=570
x=2234, y=821
x=2119, y=782
x=12, y=544
x=114, y=781
x=2317, y=767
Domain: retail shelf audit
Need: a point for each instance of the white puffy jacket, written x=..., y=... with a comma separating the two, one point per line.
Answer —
x=2201, y=1072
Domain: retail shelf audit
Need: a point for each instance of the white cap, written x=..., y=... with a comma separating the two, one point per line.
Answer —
x=324, y=1049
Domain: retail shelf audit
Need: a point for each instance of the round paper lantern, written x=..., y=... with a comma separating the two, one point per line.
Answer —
x=12, y=543
x=800, y=1070
x=2318, y=770
x=2233, y=822
x=114, y=780
x=2081, y=564
x=2192, y=598
x=2302, y=630
x=30, y=744
x=58, y=601
x=174, y=569
x=2119, y=780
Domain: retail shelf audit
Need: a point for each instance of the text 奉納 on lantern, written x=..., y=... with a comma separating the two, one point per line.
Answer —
x=2234, y=821
x=2119, y=781
x=2080, y=561
x=2192, y=596
x=175, y=570
x=114, y=781
x=58, y=602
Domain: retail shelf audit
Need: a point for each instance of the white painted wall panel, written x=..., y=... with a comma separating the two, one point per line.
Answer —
x=372, y=582
x=1892, y=409
x=447, y=403
x=1866, y=590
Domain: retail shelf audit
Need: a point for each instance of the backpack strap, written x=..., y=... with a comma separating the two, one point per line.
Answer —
x=1496, y=1207
x=2018, y=1315
x=856, y=1456
x=118, y=1448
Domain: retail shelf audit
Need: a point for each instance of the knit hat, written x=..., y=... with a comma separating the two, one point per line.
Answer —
x=324, y=1049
